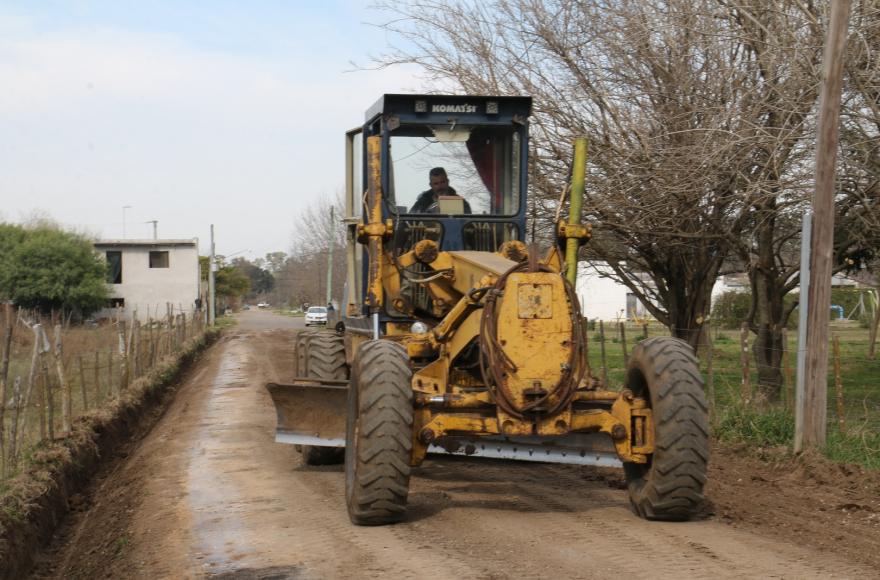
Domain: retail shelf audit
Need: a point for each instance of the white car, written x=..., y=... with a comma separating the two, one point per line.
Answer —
x=263, y=305
x=316, y=315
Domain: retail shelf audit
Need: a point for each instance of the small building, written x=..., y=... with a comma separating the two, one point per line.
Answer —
x=604, y=298
x=145, y=276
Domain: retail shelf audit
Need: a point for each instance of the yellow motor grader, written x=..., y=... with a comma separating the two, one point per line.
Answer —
x=456, y=337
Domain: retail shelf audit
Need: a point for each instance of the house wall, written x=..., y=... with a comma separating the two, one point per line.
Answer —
x=148, y=290
x=602, y=298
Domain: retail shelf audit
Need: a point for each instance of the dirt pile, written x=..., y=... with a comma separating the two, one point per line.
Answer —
x=807, y=500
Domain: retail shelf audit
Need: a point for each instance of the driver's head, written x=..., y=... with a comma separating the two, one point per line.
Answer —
x=438, y=181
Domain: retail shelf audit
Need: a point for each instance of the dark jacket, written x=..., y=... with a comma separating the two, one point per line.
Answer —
x=427, y=202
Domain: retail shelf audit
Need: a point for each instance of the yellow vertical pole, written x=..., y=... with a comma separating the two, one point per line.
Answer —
x=578, y=176
x=373, y=224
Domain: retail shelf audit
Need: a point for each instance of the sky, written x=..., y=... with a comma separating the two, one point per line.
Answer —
x=116, y=113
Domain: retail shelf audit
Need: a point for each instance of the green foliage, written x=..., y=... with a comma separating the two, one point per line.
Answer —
x=849, y=299
x=771, y=426
x=262, y=280
x=49, y=269
x=731, y=308
x=860, y=446
x=231, y=282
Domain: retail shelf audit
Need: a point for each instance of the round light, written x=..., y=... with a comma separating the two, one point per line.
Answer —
x=418, y=328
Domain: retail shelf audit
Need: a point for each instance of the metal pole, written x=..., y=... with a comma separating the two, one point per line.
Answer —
x=578, y=173
x=330, y=259
x=211, y=269
x=803, y=302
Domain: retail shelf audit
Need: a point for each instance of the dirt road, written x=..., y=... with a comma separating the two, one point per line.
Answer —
x=208, y=493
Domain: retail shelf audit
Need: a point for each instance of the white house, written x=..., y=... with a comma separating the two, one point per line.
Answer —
x=147, y=275
x=603, y=298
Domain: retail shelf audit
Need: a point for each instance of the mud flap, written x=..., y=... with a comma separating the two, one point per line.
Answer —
x=310, y=412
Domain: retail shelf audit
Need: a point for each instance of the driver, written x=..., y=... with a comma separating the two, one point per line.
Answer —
x=427, y=201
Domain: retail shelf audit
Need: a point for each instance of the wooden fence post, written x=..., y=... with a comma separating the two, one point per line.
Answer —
x=112, y=387
x=152, y=345
x=787, y=370
x=872, y=333
x=585, y=325
x=98, y=396
x=123, y=356
x=32, y=378
x=645, y=331
x=66, y=398
x=82, y=383
x=623, y=342
x=9, y=325
x=838, y=386
x=746, y=391
x=133, y=346
x=48, y=399
x=13, y=438
x=710, y=371
x=602, y=351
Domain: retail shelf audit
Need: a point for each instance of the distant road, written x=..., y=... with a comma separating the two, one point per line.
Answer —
x=257, y=319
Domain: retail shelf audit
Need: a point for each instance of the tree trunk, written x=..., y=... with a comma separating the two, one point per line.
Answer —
x=768, y=349
x=768, y=316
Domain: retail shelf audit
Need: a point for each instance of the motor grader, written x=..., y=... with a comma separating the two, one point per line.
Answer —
x=456, y=337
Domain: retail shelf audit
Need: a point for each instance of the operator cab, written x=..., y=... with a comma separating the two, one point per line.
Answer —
x=481, y=145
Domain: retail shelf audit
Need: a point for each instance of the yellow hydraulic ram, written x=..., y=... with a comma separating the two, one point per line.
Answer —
x=373, y=232
x=578, y=171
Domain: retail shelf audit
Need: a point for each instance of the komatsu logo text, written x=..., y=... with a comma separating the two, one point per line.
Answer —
x=454, y=108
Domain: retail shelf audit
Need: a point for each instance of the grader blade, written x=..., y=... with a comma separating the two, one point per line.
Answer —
x=310, y=412
x=573, y=449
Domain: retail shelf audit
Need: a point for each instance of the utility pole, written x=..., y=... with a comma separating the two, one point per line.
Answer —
x=211, y=268
x=811, y=432
x=330, y=260
x=155, y=230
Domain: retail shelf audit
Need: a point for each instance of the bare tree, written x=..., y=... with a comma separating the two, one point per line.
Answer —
x=302, y=279
x=671, y=96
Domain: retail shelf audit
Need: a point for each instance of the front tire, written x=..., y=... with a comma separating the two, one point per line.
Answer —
x=669, y=487
x=378, y=434
x=323, y=357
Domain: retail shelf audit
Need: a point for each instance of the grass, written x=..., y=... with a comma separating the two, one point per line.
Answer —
x=773, y=425
x=225, y=321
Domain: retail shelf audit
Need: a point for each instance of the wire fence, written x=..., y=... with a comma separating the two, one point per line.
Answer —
x=53, y=372
x=731, y=374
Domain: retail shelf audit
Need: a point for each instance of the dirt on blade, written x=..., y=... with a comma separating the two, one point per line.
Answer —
x=208, y=493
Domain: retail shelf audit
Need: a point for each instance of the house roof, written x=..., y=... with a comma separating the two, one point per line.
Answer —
x=149, y=243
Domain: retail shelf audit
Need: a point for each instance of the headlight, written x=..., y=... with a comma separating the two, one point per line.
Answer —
x=418, y=328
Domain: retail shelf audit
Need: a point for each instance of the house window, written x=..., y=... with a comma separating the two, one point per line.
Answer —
x=159, y=259
x=117, y=303
x=114, y=267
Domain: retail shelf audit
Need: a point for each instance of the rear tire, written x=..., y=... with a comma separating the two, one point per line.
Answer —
x=670, y=486
x=378, y=434
x=323, y=357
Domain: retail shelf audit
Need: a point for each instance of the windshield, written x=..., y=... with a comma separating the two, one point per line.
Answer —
x=317, y=310
x=455, y=170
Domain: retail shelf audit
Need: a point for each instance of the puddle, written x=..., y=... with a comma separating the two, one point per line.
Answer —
x=221, y=537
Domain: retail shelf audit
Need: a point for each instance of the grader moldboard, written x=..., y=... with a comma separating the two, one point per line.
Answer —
x=455, y=337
